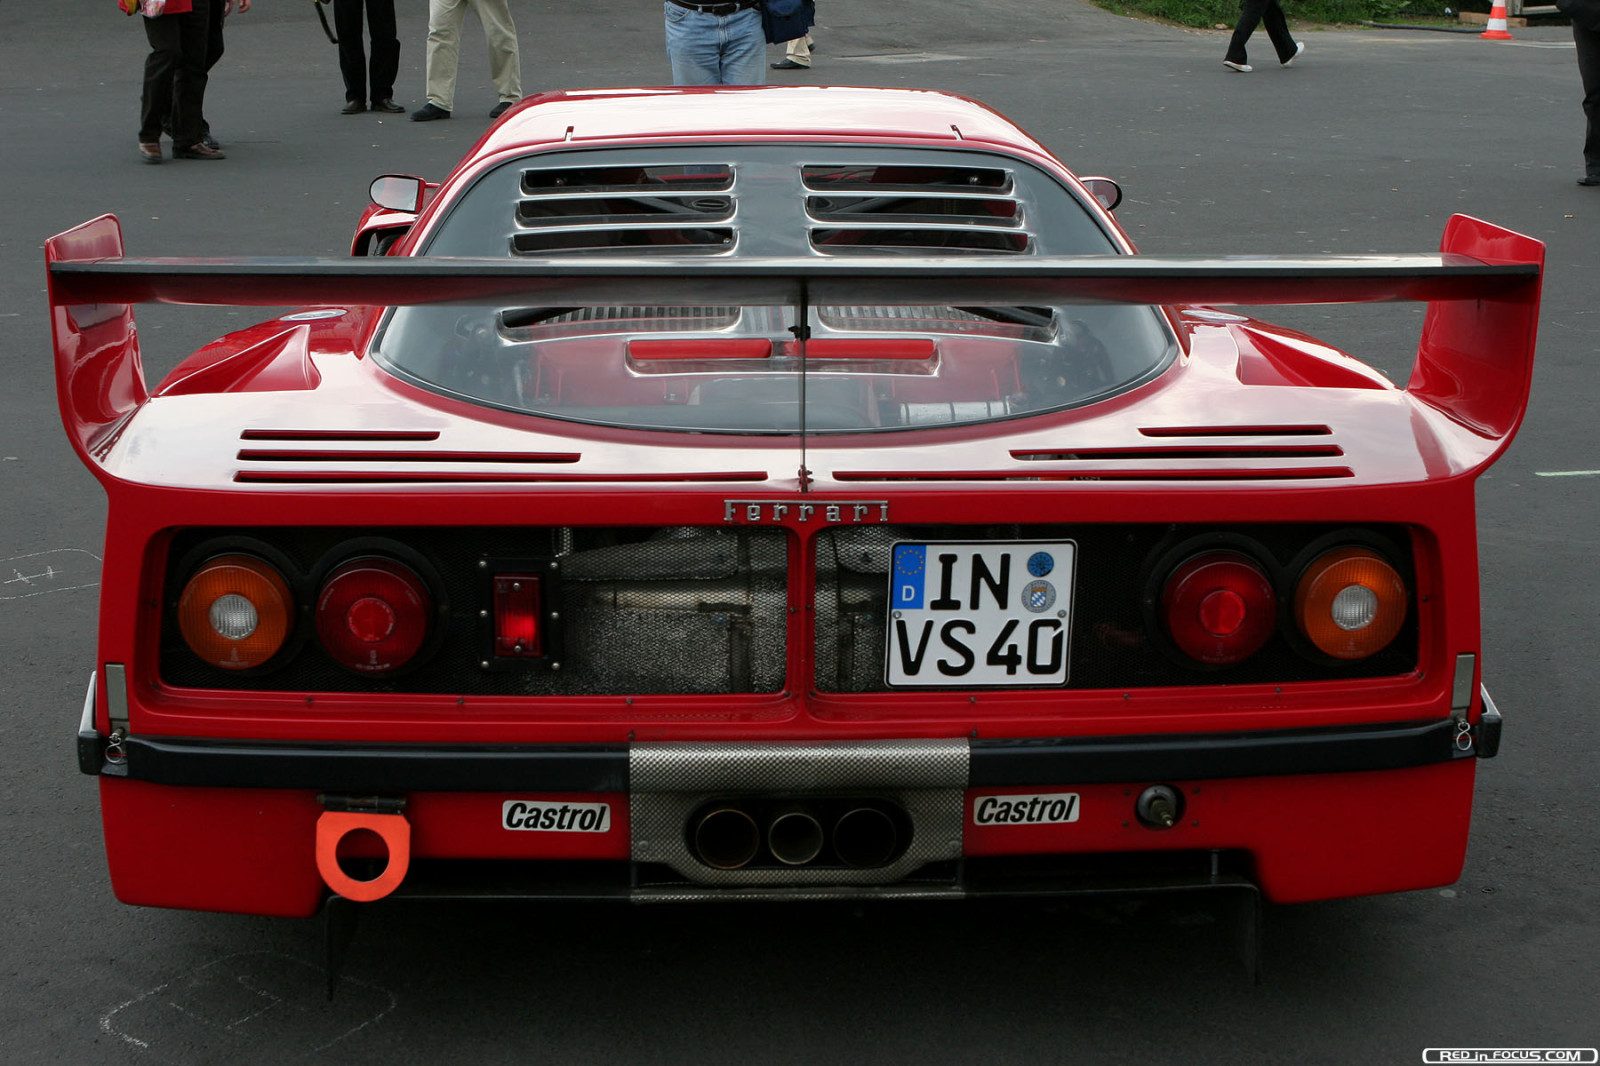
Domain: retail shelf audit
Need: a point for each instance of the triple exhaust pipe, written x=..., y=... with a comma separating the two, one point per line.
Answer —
x=727, y=836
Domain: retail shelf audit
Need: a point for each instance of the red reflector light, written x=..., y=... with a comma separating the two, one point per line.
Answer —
x=1219, y=607
x=373, y=614
x=517, y=607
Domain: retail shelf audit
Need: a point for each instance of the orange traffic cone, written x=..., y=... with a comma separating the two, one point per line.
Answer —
x=1497, y=23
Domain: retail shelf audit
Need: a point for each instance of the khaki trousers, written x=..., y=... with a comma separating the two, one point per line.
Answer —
x=444, y=48
x=799, y=51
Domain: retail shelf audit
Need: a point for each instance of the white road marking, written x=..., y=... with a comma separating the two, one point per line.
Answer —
x=1566, y=473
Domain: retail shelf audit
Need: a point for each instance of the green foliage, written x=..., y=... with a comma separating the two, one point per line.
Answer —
x=1210, y=13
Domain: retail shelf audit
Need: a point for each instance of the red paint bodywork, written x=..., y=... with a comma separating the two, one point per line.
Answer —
x=169, y=458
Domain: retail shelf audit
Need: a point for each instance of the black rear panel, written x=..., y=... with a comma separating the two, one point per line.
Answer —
x=677, y=610
x=704, y=611
x=1116, y=636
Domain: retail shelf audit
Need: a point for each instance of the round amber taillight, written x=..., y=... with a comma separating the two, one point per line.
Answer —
x=235, y=611
x=372, y=614
x=1219, y=607
x=1350, y=602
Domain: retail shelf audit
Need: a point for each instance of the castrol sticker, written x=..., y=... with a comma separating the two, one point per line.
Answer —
x=1053, y=808
x=554, y=816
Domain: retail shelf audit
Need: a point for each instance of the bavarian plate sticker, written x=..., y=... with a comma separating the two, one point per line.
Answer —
x=546, y=816
x=980, y=613
x=1053, y=808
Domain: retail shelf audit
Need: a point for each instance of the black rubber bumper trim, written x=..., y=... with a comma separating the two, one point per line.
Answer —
x=1202, y=756
x=604, y=768
x=377, y=768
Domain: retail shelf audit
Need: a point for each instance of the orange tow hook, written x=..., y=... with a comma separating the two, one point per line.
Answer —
x=391, y=827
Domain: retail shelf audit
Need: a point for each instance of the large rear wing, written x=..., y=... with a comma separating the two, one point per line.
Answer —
x=1474, y=361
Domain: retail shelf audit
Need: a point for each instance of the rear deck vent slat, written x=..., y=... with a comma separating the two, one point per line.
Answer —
x=335, y=435
x=343, y=455
x=1246, y=451
x=1286, y=473
x=480, y=477
x=1237, y=431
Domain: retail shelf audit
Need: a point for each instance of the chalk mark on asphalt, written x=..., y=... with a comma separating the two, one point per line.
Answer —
x=202, y=996
x=23, y=577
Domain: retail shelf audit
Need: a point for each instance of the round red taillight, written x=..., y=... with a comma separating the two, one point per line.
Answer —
x=235, y=611
x=1350, y=602
x=372, y=615
x=1219, y=607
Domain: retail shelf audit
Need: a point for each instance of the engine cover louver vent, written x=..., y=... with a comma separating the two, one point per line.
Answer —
x=873, y=209
x=669, y=209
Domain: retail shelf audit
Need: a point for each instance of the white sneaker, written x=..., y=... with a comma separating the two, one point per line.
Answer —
x=1299, y=50
x=1242, y=68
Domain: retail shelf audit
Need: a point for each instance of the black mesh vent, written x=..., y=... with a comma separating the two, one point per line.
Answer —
x=642, y=611
x=1114, y=638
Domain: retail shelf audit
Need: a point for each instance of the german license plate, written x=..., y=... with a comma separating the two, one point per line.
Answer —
x=980, y=613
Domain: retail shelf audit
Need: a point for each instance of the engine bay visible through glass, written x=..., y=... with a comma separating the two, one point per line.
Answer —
x=742, y=369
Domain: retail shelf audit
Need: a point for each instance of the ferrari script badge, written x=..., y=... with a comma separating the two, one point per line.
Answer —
x=842, y=512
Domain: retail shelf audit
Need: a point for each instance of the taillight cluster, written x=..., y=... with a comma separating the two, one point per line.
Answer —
x=1220, y=605
x=372, y=613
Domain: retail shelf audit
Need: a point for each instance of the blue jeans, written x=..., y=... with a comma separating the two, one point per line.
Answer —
x=715, y=49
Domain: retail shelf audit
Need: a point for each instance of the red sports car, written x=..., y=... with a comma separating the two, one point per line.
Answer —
x=692, y=498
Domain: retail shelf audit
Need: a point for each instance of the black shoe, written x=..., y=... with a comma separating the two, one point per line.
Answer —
x=1589, y=181
x=205, y=139
x=501, y=108
x=789, y=64
x=352, y=107
x=428, y=113
x=198, y=150
x=387, y=106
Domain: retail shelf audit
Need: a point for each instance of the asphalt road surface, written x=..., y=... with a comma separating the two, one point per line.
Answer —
x=1365, y=146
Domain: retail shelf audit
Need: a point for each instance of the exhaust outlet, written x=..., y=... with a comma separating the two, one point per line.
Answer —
x=726, y=838
x=794, y=836
x=865, y=836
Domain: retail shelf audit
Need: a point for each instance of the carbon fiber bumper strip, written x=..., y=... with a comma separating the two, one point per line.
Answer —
x=927, y=778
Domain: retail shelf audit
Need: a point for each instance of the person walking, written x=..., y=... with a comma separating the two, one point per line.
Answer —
x=175, y=81
x=796, y=54
x=216, y=17
x=796, y=17
x=1585, y=16
x=715, y=43
x=1254, y=13
x=358, y=76
x=444, y=52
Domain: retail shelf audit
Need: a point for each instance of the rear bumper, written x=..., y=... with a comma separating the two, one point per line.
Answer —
x=1303, y=814
x=605, y=768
